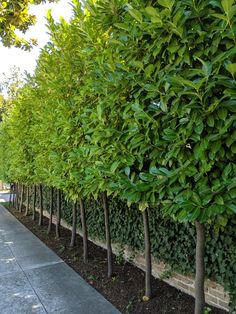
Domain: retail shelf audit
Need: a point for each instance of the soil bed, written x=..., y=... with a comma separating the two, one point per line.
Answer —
x=126, y=288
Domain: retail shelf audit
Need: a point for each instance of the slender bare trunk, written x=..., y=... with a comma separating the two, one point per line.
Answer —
x=200, y=269
x=11, y=193
x=40, y=205
x=84, y=231
x=34, y=203
x=17, y=196
x=148, y=274
x=50, y=211
x=74, y=224
x=58, y=223
x=108, y=237
x=27, y=201
x=22, y=197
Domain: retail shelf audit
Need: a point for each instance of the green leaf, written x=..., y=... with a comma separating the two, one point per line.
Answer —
x=136, y=14
x=222, y=113
x=226, y=171
x=199, y=128
x=114, y=166
x=166, y=3
x=151, y=11
x=231, y=68
x=219, y=200
x=149, y=69
x=127, y=171
x=210, y=121
x=233, y=148
x=145, y=176
x=227, y=5
x=153, y=14
x=232, y=207
x=99, y=111
x=154, y=171
x=165, y=171
x=194, y=215
x=220, y=16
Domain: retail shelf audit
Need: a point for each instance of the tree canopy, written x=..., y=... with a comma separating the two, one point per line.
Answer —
x=15, y=16
x=135, y=100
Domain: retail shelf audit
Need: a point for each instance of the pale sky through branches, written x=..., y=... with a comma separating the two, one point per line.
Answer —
x=26, y=60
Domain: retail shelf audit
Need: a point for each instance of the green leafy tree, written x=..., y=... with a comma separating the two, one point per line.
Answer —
x=138, y=101
x=14, y=15
x=165, y=110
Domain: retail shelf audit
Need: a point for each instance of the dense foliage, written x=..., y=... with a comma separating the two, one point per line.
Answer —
x=137, y=101
x=14, y=15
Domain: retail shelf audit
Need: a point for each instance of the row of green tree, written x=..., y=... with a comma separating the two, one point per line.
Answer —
x=138, y=101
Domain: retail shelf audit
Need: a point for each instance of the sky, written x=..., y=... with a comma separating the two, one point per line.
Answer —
x=26, y=60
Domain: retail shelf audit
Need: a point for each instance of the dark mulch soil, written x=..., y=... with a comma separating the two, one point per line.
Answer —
x=126, y=288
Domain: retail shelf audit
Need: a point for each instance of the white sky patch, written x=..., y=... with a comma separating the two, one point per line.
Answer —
x=26, y=60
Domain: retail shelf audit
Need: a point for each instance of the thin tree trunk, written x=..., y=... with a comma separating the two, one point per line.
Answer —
x=148, y=273
x=22, y=197
x=27, y=201
x=200, y=269
x=11, y=193
x=74, y=224
x=58, y=223
x=34, y=203
x=84, y=230
x=51, y=211
x=17, y=196
x=108, y=238
x=40, y=205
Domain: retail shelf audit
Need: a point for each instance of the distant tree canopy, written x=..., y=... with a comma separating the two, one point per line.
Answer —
x=9, y=86
x=14, y=15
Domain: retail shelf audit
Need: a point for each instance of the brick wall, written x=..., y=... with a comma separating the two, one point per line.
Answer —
x=215, y=293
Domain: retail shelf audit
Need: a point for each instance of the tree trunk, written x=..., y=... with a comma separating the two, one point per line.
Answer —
x=11, y=193
x=84, y=230
x=58, y=223
x=108, y=238
x=34, y=203
x=40, y=205
x=74, y=224
x=27, y=201
x=50, y=211
x=200, y=269
x=22, y=197
x=148, y=274
x=17, y=196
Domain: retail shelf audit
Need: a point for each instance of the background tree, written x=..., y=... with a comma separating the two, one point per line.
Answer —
x=14, y=15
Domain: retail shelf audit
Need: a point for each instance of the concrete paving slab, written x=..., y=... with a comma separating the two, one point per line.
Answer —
x=32, y=249
x=5, y=252
x=23, y=302
x=8, y=266
x=14, y=283
x=33, y=279
x=38, y=260
x=17, y=236
x=50, y=274
x=85, y=308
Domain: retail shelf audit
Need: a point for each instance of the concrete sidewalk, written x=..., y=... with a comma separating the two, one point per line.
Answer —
x=33, y=279
x=4, y=196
